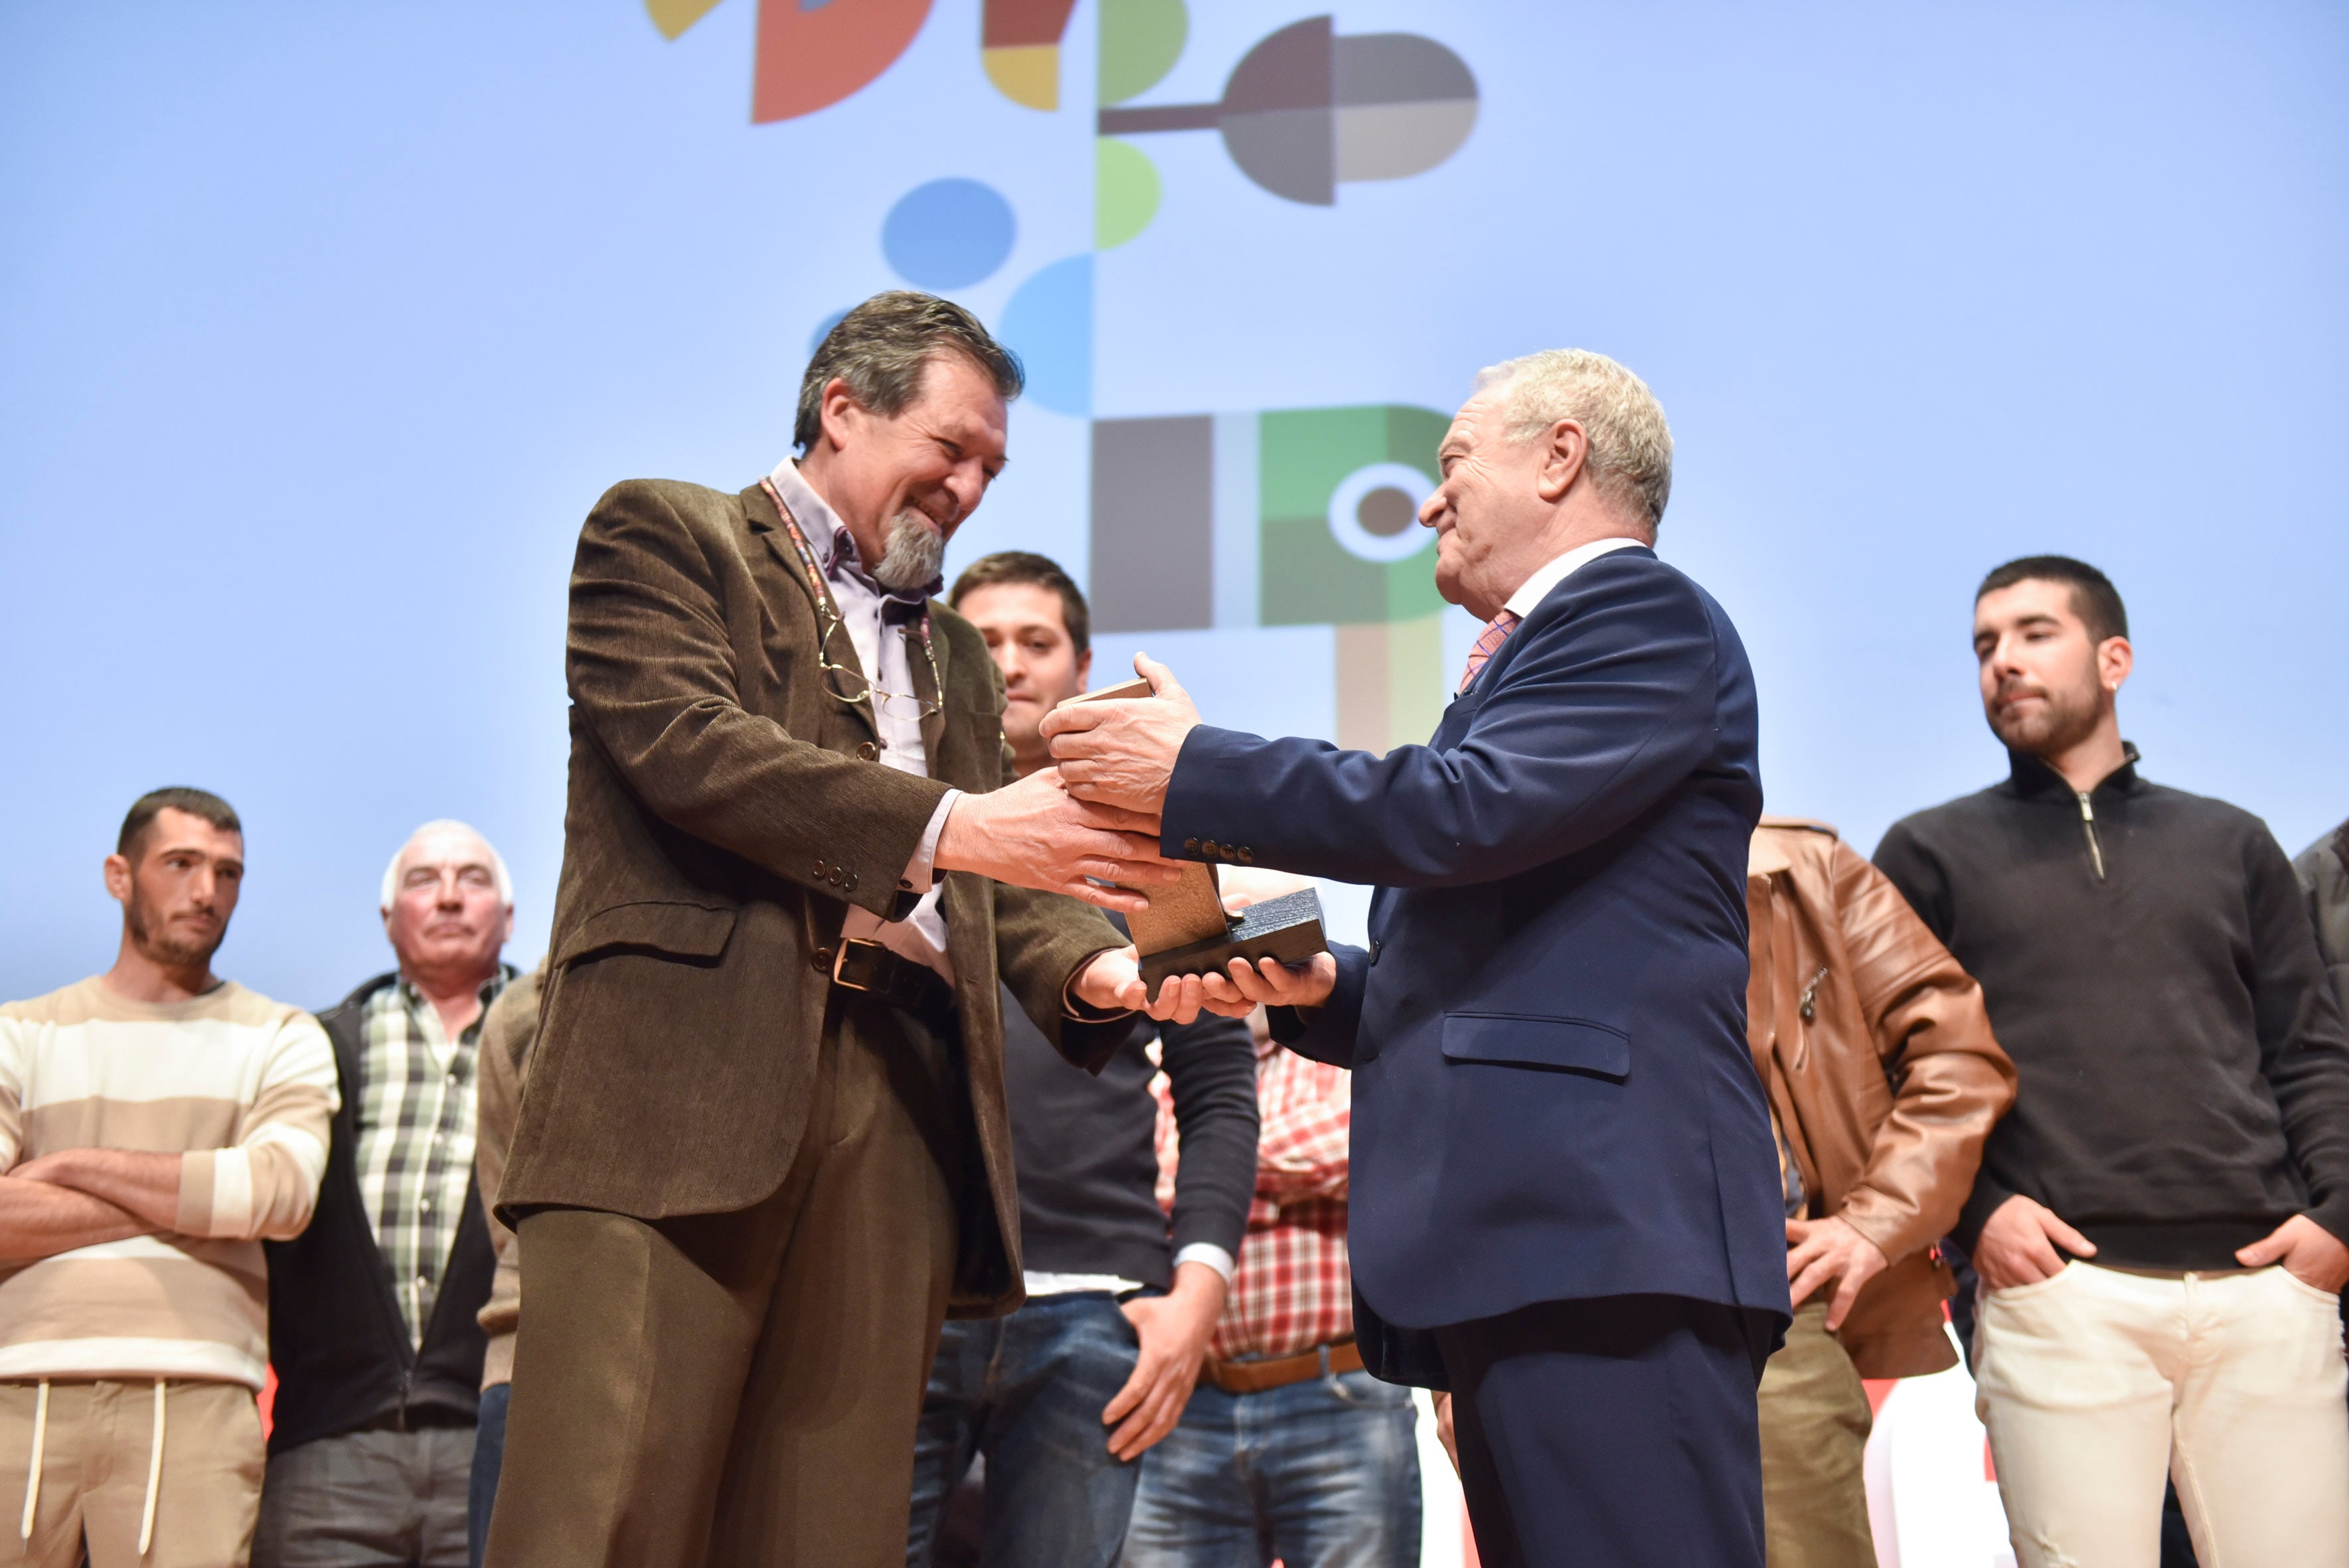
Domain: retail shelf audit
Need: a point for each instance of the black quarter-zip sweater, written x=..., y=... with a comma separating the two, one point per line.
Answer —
x=2149, y=964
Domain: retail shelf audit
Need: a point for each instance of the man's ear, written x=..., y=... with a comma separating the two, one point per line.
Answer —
x=117, y=878
x=837, y=411
x=1562, y=463
x=2115, y=660
x=1084, y=669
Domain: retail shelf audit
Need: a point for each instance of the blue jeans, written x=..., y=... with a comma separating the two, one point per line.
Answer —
x=1028, y=1392
x=1320, y=1474
x=489, y=1457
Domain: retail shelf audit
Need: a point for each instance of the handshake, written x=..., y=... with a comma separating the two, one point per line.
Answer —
x=1088, y=826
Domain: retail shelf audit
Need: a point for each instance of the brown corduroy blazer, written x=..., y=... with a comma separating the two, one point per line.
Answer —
x=724, y=810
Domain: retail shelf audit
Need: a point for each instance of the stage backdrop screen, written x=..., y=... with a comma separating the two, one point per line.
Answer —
x=323, y=326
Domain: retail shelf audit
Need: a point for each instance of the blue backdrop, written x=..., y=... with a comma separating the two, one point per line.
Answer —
x=322, y=326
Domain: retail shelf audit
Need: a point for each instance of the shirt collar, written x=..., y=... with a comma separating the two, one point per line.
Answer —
x=836, y=548
x=2027, y=775
x=1537, y=588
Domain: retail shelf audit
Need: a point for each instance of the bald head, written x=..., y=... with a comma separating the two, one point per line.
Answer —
x=447, y=907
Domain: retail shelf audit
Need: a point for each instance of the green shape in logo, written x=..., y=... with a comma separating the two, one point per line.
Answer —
x=1340, y=489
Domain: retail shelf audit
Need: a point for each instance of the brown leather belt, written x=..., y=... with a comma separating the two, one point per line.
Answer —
x=1256, y=1377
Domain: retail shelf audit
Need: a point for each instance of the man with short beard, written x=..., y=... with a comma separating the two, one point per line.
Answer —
x=2159, y=1222
x=157, y=1122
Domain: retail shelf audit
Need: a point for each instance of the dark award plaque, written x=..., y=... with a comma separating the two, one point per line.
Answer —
x=1186, y=930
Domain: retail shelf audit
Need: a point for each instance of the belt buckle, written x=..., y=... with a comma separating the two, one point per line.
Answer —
x=840, y=962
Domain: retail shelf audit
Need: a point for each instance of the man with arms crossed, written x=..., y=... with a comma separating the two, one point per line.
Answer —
x=764, y=1148
x=1565, y=1200
x=2158, y=1221
x=1064, y=1396
x=157, y=1122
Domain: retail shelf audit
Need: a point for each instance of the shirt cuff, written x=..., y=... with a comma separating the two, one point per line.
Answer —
x=920, y=871
x=1208, y=1252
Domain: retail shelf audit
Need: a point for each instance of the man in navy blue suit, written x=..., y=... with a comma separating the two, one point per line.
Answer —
x=1566, y=1203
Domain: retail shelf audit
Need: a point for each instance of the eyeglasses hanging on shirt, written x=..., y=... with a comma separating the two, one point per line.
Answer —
x=859, y=685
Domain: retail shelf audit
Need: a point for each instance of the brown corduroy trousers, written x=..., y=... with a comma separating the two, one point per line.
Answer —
x=742, y=1388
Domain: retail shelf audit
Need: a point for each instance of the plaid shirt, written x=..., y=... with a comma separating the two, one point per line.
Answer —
x=414, y=1106
x=1293, y=1290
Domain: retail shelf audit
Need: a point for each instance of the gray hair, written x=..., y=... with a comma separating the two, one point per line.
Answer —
x=882, y=347
x=1631, y=446
x=446, y=825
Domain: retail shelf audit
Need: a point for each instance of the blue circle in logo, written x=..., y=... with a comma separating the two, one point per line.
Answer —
x=948, y=233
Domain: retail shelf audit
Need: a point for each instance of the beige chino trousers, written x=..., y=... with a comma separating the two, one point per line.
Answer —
x=1815, y=1425
x=2097, y=1384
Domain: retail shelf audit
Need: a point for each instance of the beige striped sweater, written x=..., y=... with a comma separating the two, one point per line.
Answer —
x=244, y=1089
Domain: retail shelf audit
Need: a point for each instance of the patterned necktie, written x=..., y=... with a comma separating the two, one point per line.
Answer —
x=1497, y=632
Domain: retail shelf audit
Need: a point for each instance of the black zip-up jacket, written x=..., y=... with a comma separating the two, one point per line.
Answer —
x=2149, y=964
x=336, y=1338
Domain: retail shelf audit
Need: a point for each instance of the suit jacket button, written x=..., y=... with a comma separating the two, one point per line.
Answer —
x=822, y=871
x=1209, y=847
x=1247, y=856
x=1190, y=846
x=851, y=883
x=868, y=751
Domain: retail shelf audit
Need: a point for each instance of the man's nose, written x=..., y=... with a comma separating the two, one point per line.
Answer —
x=968, y=485
x=1431, y=511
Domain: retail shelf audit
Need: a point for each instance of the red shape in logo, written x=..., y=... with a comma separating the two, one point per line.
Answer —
x=811, y=59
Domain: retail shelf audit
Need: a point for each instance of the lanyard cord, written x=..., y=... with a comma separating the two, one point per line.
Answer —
x=829, y=612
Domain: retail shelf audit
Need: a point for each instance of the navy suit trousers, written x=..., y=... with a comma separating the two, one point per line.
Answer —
x=1619, y=1430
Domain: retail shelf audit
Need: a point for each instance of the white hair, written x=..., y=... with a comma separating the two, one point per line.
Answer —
x=446, y=825
x=1631, y=446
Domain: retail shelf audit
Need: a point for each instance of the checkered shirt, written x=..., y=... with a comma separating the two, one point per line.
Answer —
x=414, y=1105
x=1293, y=1290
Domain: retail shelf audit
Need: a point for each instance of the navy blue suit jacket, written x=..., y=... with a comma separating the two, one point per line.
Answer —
x=1553, y=1097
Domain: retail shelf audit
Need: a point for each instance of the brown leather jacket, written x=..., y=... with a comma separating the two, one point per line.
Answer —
x=1881, y=1070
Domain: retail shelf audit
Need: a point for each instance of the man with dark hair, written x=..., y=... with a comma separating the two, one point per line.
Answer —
x=202, y=804
x=1062, y=1398
x=372, y=1330
x=2159, y=1223
x=765, y=1149
x=157, y=1123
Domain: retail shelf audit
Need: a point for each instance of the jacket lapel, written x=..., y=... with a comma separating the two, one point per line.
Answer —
x=933, y=723
x=840, y=648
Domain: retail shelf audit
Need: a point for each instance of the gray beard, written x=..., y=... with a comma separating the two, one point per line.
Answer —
x=913, y=554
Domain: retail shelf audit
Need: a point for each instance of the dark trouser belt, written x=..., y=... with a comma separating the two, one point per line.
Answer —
x=1256, y=1377
x=912, y=987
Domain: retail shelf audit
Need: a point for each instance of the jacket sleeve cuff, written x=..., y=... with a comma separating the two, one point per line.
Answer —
x=2333, y=1214
x=1980, y=1206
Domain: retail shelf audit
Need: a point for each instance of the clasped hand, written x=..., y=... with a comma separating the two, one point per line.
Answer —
x=1122, y=753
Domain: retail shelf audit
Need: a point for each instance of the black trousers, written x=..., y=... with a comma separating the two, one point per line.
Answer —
x=1621, y=1431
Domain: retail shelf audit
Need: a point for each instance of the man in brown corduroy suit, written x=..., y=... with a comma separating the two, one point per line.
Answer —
x=763, y=1150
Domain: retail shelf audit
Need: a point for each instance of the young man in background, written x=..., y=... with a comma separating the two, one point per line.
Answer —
x=2158, y=1222
x=157, y=1122
x=1063, y=1397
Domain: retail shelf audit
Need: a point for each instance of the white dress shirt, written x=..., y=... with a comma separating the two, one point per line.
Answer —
x=1536, y=588
x=887, y=655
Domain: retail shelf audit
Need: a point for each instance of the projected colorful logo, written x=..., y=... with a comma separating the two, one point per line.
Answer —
x=1230, y=520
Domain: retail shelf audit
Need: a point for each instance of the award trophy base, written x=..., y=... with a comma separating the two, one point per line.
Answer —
x=1288, y=928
